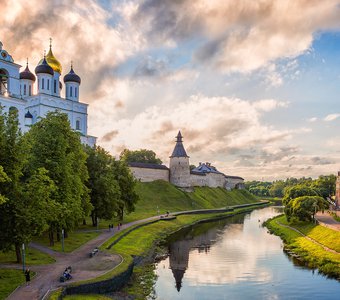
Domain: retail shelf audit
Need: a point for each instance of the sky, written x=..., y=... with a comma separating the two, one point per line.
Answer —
x=254, y=86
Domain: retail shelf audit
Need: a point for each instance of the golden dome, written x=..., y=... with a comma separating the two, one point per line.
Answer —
x=53, y=62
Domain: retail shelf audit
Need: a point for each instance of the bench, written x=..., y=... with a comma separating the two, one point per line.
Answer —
x=94, y=252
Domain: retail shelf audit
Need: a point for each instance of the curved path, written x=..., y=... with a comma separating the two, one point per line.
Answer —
x=83, y=267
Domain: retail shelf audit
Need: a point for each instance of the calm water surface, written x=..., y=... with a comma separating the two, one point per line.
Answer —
x=236, y=259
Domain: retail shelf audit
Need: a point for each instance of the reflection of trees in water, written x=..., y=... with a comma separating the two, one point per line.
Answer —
x=199, y=237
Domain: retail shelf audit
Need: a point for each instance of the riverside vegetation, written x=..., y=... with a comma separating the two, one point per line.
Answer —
x=310, y=253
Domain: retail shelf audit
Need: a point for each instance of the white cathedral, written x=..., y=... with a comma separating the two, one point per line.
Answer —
x=17, y=92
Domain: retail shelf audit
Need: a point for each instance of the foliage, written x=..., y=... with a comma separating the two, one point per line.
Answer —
x=104, y=188
x=112, y=185
x=57, y=148
x=304, y=208
x=3, y=178
x=33, y=257
x=142, y=156
x=258, y=188
x=296, y=191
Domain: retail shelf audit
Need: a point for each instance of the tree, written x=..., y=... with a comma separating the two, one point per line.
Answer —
x=3, y=178
x=304, y=208
x=104, y=188
x=277, y=189
x=127, y=183
x=57, y=148
x=298, y=191
x=142, y=156
x=325, y=185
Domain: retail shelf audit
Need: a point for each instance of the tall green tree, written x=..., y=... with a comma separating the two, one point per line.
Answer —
x=142, y=156
x=104, y=188
x=127, y=183
x=57, y=148
x=296, y=191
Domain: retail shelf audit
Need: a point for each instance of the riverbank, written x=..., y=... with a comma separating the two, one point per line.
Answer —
x=316, y=246
x=140, y=246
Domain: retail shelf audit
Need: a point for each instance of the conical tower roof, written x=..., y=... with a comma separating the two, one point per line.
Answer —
x=179, y=150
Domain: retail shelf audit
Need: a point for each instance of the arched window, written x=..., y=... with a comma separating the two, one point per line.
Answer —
x=29, y=90
x=48, y=84
x=3, y=81
x=77, y=125
x=13, y=109
x=55, y=86
x=24, y=89
x=70, y=91
x=75, y=92
x=42, y=83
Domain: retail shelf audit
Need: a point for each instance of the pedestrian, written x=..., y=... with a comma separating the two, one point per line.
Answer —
x=28, y=276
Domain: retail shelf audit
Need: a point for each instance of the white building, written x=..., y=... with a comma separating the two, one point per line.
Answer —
x=17, y=91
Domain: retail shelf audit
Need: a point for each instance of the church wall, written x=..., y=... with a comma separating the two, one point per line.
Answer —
x=13, y=80
x=18, y=104
x=148, y=174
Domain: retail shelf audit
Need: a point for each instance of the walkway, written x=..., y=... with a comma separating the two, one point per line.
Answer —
x=308, y=238
x=83, y=267
x=325, y=219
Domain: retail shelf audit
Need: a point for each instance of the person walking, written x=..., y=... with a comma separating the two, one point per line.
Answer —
x=28, y=276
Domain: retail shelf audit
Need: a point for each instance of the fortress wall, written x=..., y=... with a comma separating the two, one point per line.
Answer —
x=198, y=180
x=147, y=175
x=215, y=180
x=232, y=182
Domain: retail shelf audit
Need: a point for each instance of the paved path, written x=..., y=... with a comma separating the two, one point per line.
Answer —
x=83, y=267
x=325, y=219
x=308, y=238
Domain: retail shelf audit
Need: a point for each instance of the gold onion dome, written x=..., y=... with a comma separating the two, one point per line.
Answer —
x=52, y=61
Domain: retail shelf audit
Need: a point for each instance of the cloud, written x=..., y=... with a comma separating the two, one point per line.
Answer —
x=109, y=136
x=239, y=36
x=331, y=117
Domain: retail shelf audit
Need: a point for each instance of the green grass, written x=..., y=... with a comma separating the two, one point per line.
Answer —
x=160, y=196
x=72, y=242
x=9, y=280
x=33, y=257
x=314, y=255
x=87, y=297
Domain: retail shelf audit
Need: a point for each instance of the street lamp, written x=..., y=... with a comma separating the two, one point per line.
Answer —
x=62, y=240
x=23, y=257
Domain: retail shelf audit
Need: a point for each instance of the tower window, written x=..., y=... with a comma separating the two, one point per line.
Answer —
x=48, y=84
x=77, y=125
x=24, y=89
x=75, y=92
x=42, y=83
x=55, y=86
x=3, y=81
x=29, y=90
x=70, y=91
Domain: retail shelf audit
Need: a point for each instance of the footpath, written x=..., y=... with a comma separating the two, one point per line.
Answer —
x=325, y=219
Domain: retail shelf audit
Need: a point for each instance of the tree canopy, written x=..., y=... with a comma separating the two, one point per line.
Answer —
x=142, y=156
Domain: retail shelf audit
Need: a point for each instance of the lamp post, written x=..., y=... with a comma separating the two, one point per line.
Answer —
x=62, y=240
x=23, y=257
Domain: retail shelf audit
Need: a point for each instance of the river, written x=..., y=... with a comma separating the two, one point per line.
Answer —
x=236, y=258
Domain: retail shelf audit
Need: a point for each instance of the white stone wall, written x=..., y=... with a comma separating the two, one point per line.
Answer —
x=232, y=182
x=198, y=180
x=215, y=180
x=148, y=175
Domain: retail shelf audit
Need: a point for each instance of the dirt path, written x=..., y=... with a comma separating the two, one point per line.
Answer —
x=308, y=238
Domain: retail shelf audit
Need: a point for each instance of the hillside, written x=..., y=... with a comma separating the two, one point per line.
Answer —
x=161, y=196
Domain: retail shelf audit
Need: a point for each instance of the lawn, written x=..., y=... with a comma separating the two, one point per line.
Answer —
x=72, y=242
x=33, y=257
x=9, y=280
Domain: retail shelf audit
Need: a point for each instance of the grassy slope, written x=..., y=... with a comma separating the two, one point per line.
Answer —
x=33, y=257
x=313, y=254
x=160, y=196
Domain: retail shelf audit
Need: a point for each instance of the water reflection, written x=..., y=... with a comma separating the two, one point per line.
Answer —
x=234, y=258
